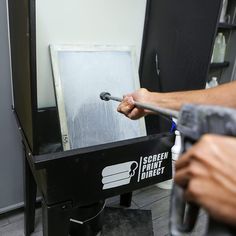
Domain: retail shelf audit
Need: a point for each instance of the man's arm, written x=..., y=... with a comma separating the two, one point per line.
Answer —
x=206, y=172
x=223, y=95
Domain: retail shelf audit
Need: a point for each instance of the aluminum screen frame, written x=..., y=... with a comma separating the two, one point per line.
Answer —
x=56, y=51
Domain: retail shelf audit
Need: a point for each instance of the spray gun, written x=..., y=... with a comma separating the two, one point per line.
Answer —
x=193, y=122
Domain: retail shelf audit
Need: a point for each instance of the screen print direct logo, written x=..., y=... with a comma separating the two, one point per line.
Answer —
x=120, y=174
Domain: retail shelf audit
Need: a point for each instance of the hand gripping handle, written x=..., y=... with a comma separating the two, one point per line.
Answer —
x=195, y=121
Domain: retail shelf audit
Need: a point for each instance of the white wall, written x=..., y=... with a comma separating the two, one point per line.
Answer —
x=11, y=155
x=83, y=21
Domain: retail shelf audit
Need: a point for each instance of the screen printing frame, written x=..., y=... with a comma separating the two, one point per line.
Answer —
x=58, y=87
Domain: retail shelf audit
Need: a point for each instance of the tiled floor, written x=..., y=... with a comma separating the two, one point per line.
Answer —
x=151, y=198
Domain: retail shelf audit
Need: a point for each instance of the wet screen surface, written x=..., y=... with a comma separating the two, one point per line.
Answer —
x=83, y=76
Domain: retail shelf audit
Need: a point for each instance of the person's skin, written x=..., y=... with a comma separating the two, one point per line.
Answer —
x=207, y=171
x=207, y=174
x=223, y=95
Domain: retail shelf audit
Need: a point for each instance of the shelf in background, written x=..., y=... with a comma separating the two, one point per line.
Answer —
x=226, y=26
x=219, y=65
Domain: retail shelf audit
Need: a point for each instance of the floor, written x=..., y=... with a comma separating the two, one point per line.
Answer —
x=152, y=198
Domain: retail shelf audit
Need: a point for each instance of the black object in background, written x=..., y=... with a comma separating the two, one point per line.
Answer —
x=181, y=33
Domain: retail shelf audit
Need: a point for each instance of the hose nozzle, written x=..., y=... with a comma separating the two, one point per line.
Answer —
x=105, y=96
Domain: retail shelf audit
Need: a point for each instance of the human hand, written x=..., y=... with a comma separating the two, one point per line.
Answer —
x=128, y=108
x=207, y=172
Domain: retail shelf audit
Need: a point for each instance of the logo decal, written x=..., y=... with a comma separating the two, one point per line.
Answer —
x=118, y=175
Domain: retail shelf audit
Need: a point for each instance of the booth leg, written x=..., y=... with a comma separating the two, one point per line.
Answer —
x=30, y=199
x=126, y=199
x=56, y=219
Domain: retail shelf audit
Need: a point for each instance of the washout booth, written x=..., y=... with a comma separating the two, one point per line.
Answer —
x=67, y=41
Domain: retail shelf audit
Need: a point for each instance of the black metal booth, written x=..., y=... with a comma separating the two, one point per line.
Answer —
x=180, y=33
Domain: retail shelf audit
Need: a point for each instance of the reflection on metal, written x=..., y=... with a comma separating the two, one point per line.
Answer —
x=157, y=65
x=81, y=73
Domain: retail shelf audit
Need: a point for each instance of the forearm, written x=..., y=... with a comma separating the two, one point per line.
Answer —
x=223, y=95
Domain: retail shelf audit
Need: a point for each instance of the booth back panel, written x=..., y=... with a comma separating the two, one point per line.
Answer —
x=83, y=22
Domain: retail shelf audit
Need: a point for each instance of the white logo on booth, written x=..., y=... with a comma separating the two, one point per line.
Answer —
x=118, y=175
